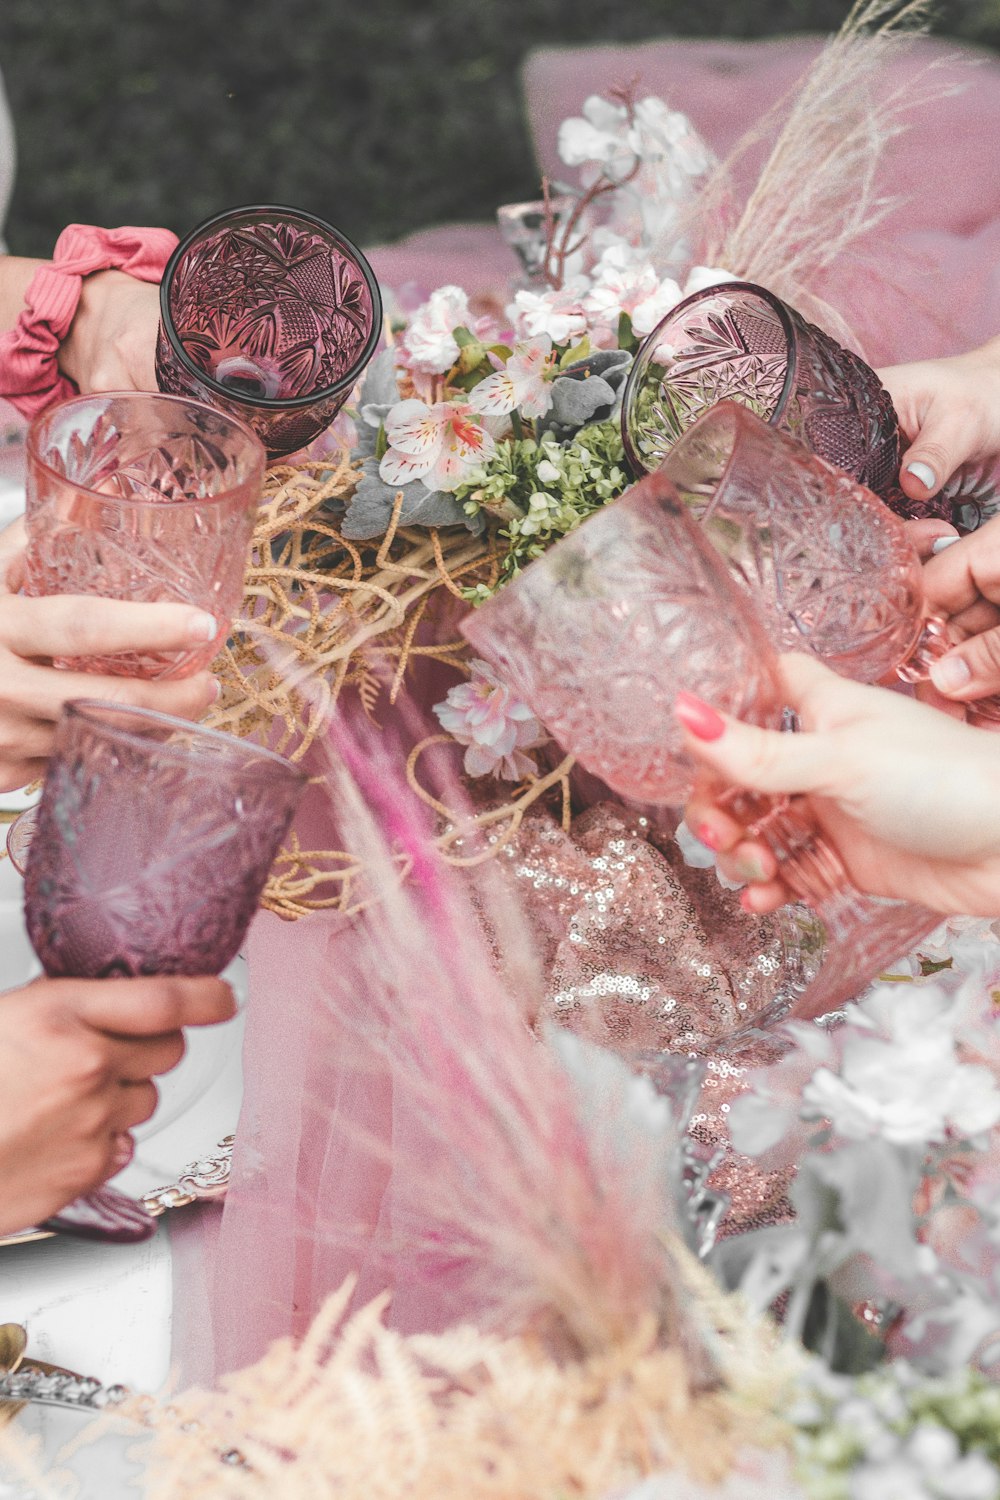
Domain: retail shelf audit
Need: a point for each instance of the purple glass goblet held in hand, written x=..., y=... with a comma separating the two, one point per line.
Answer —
x=739, y=342
x=601, y=633
x=271, y=315
x=153, y=843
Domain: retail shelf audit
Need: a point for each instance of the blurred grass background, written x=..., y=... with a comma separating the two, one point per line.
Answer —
x=381, y=115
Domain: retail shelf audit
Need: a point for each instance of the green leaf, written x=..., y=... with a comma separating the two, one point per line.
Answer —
x=575, y=352
x=626, y=336
x=471, y=357
x=381, y=442
x=463, y=336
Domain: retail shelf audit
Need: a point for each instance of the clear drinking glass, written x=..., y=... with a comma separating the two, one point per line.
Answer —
x=738, y=342
x=602, y=632
x=153, y=841
x=271, y=315
x=143, y=497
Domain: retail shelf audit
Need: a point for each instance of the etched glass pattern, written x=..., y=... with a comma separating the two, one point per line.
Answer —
x=601, y=633
x=271, y=315
x=153, y=842
x=147, y=498
x=829, y=565
x=738, y=342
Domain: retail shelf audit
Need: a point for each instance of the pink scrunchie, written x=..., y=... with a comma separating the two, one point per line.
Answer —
x=30, y=377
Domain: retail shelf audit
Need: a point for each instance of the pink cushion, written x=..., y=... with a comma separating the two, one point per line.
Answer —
x=929, y=285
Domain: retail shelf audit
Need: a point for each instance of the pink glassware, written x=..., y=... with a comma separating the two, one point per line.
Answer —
x=142, y=497
x=738, y=342
x=271, y=315
x=153, y=842
x=830, y=566
x=602, y=632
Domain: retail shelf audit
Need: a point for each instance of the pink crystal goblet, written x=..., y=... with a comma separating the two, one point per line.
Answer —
x=153, y=841
x=270, y=314
x=602, y=632
x=829, y=565
x=739, y=342
x=143, y=497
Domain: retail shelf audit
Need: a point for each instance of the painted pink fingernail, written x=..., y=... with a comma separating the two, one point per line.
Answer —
x=746, y=901
x=699, y=717
x=707, y=835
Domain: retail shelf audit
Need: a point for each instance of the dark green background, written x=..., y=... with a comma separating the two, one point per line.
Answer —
x=382, y=115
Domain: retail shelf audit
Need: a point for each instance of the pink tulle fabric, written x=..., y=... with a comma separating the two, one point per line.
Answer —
x=310, y=1201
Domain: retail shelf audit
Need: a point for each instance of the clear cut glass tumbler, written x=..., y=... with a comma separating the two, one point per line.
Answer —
x=602, y=632
x=270, y=314
x=739, y=342
x=142, y=497
x=153, y=842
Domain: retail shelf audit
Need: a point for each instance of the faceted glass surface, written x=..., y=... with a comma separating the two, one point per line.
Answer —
x=602, y=632
x=142, y=497
x=830, y=567
x=153, y=842
x=738, y=342
x=270, y=314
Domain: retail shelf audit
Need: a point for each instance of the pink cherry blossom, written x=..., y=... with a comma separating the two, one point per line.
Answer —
x=437, y=444
x=523, y=383
x=496, y=727
x=625, y=282
x=428, y=345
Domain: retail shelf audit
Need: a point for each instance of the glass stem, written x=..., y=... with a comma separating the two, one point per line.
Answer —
x=808, y=865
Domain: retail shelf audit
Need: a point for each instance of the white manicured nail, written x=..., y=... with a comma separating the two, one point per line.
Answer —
x=949, y=674
x=945, y=541
x=924, y=473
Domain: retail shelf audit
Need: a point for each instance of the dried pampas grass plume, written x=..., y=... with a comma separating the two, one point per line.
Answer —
x=818, y=194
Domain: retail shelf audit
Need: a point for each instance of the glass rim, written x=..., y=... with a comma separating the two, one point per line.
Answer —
x=271, y=403
x=244, y=752
x=42, y=418
x=791, y=360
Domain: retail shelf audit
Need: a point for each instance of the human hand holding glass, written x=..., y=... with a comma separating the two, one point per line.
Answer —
x=153, y=842
x=601, y=633
x=909, y=798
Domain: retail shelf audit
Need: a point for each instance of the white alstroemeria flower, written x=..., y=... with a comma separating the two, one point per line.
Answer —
x=664, y=135
x=556, y=314
x=700, y=277
x=428, y=345
x=524, y=383
x=623, y=282
x=495, y=726
x=439, y=444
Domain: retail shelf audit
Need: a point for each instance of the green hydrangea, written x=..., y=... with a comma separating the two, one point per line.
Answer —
x=541, y=490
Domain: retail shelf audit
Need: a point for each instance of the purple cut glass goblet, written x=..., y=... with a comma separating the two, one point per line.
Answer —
x=153, y=842
x=830, y=566
x=142, y=497
x=738, y=342
x=602, y=632
x=271, y=315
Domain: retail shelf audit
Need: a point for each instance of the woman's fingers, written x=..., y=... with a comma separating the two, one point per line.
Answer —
x=77, y=625
x=40, y=692
x=133, y=1104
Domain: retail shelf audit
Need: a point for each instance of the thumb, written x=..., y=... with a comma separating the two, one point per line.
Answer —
x=764, y=760
x=971, y=670
x=940, y=447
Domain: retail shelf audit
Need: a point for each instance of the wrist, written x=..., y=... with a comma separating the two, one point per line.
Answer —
x=30, y=373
